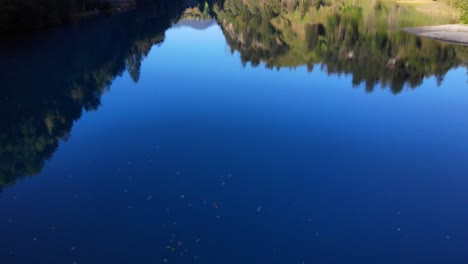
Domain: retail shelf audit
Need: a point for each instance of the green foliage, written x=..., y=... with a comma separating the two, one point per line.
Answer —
x=462, y=5
x=464, y=10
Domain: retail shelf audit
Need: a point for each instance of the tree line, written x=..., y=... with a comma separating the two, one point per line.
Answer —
x=22, y=15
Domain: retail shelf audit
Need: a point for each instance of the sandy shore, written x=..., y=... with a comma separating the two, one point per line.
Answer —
x=449, y=33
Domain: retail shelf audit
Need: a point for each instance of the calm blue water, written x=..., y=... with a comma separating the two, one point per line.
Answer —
x=205, y=161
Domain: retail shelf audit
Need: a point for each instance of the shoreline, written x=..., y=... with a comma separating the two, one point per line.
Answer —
x=453, y=33
x=27, y=20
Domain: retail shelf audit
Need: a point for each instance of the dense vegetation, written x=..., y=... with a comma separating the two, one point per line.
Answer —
x=20, y=15
x=462, y=5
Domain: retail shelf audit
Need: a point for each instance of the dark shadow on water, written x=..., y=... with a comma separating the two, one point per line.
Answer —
x=51, y=78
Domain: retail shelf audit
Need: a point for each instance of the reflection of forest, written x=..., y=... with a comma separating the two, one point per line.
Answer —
x=52, y=81
x=69, y=69
x=363, y=39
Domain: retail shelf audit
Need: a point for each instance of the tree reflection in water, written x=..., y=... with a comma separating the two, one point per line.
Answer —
x=74, y=66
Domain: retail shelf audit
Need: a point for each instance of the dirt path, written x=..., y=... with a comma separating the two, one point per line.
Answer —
x=449, y=33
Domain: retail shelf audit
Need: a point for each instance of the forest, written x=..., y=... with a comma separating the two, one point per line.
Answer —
x=20, y=15
x=27, y=15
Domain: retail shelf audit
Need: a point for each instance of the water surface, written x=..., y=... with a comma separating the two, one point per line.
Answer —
x=153, y=137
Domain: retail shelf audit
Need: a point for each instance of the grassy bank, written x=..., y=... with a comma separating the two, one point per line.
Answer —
x=463, y=5
x=451, y=8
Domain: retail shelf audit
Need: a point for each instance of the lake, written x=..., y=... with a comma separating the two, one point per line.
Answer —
x=235, y=132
